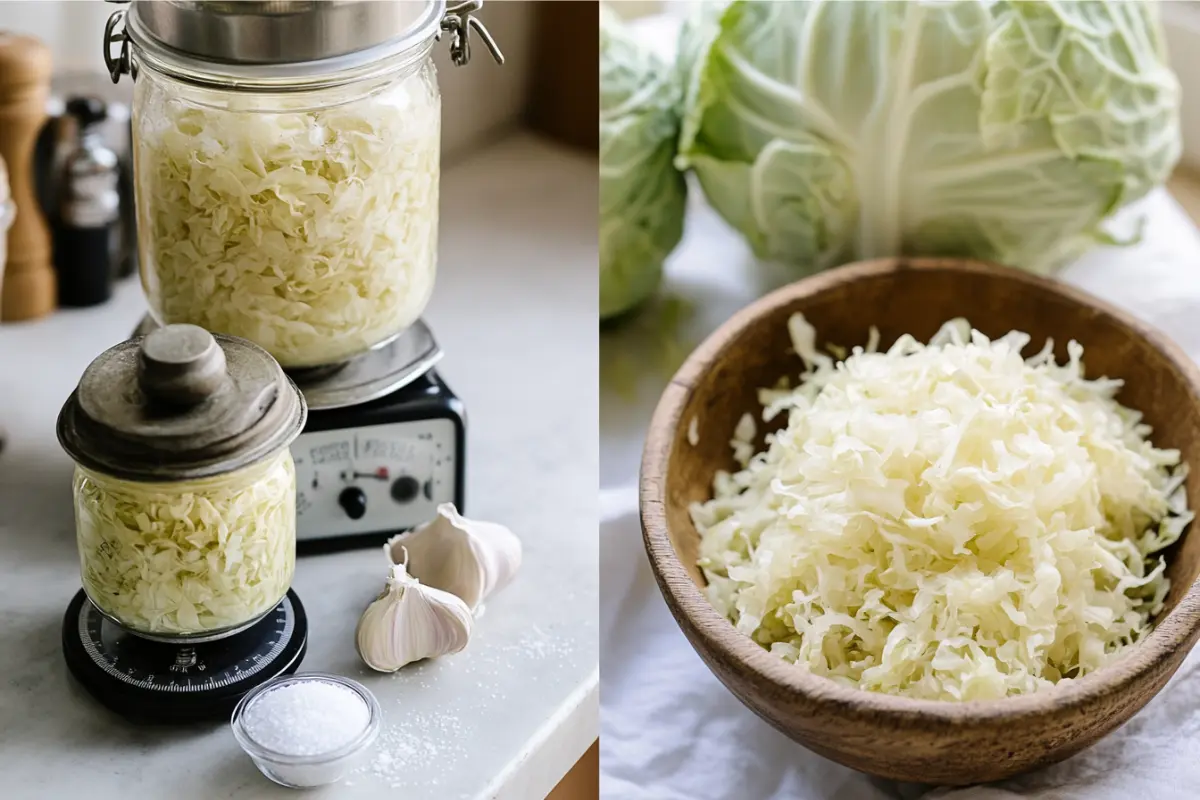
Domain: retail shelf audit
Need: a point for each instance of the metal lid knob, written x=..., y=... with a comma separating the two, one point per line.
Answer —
x=181, y=365
x=180, y=403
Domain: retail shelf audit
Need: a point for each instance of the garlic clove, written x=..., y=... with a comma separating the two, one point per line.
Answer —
x=468, y=558
x=409, y=622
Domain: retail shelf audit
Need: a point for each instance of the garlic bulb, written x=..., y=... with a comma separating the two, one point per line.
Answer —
x=409, y=622
x=467, y=558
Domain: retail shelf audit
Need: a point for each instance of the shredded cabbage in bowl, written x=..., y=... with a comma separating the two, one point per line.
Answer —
x=188, y=558
x=946, y=521
x=307, y=225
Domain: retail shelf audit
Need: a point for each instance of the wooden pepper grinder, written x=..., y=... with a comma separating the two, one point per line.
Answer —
x=29, y=289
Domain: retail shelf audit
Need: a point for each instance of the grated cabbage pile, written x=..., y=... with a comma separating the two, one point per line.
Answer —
x=189, y=557
x=945, y=521
x=309, y=231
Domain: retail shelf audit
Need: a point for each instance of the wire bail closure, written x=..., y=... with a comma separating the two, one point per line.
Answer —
x=123, y=63
x=459, y=22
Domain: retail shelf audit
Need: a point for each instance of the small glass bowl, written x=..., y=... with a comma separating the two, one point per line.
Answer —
x=301, y=772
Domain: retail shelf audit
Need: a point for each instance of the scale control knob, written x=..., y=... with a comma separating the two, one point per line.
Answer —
x=353, y=501
x=405, y=489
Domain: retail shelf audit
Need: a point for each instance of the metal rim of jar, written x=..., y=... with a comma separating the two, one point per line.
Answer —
x=378, y=60
x=344, y=70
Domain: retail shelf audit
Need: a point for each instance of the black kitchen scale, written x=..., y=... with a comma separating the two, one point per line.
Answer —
x=384, y=445
x=153, y=682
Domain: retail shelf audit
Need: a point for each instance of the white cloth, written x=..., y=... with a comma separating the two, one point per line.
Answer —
x=669, y=729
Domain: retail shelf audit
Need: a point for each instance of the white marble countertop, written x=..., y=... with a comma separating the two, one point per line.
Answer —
x=515, y=311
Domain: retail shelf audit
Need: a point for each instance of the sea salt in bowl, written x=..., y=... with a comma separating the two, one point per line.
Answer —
x=927, y=741
x=307, y=730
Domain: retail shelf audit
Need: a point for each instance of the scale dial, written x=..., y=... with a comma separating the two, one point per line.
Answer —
x=375, y=478
x=161, y=682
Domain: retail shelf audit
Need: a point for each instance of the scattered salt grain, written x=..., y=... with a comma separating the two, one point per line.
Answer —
x=306, y=718
x=421, y=739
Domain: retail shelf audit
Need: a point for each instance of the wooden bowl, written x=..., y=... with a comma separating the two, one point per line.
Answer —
x=897, y=737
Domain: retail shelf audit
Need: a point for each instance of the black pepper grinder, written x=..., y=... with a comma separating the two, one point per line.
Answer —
x=88, y=213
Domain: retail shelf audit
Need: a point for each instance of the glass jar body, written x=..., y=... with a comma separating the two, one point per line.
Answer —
x=190, y=559
x=305, y=222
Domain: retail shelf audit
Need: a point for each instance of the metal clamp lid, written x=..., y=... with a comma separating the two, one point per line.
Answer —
x=311, y=37
x=180, y=403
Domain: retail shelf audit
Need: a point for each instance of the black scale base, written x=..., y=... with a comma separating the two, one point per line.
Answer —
x=150, y=681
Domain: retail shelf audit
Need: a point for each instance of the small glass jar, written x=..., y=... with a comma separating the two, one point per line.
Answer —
x=311, y=769
x=185, y=490
x=286, y=179
x=222, y=550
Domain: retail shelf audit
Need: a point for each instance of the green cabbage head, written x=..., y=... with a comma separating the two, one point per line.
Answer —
x=643, y=196
x=1009, y=131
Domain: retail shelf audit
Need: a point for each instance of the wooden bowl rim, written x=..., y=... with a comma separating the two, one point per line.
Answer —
x=718, y=634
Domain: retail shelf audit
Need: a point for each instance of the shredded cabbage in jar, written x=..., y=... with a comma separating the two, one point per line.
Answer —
x=188, y=557
x=946, y=521
x=311, y=232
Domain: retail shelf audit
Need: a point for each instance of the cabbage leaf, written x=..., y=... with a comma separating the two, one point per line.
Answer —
x=642, y=196
x=1010, y=131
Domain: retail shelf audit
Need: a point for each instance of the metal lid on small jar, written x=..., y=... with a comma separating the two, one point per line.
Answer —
x=294, y=38
x=180, y=403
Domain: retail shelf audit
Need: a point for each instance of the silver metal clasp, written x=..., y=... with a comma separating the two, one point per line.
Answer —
x=459, y=22
x=123, y=63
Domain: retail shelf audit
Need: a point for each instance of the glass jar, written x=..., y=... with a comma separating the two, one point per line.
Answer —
x=184, y=490
x=185, y=558
x=286, y=179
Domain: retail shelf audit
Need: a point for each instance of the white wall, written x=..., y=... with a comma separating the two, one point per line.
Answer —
x=482, y=97
x=633, y=9
x=73, y=30
x=636, y=9
x=1182, y=23
x=479, y=100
